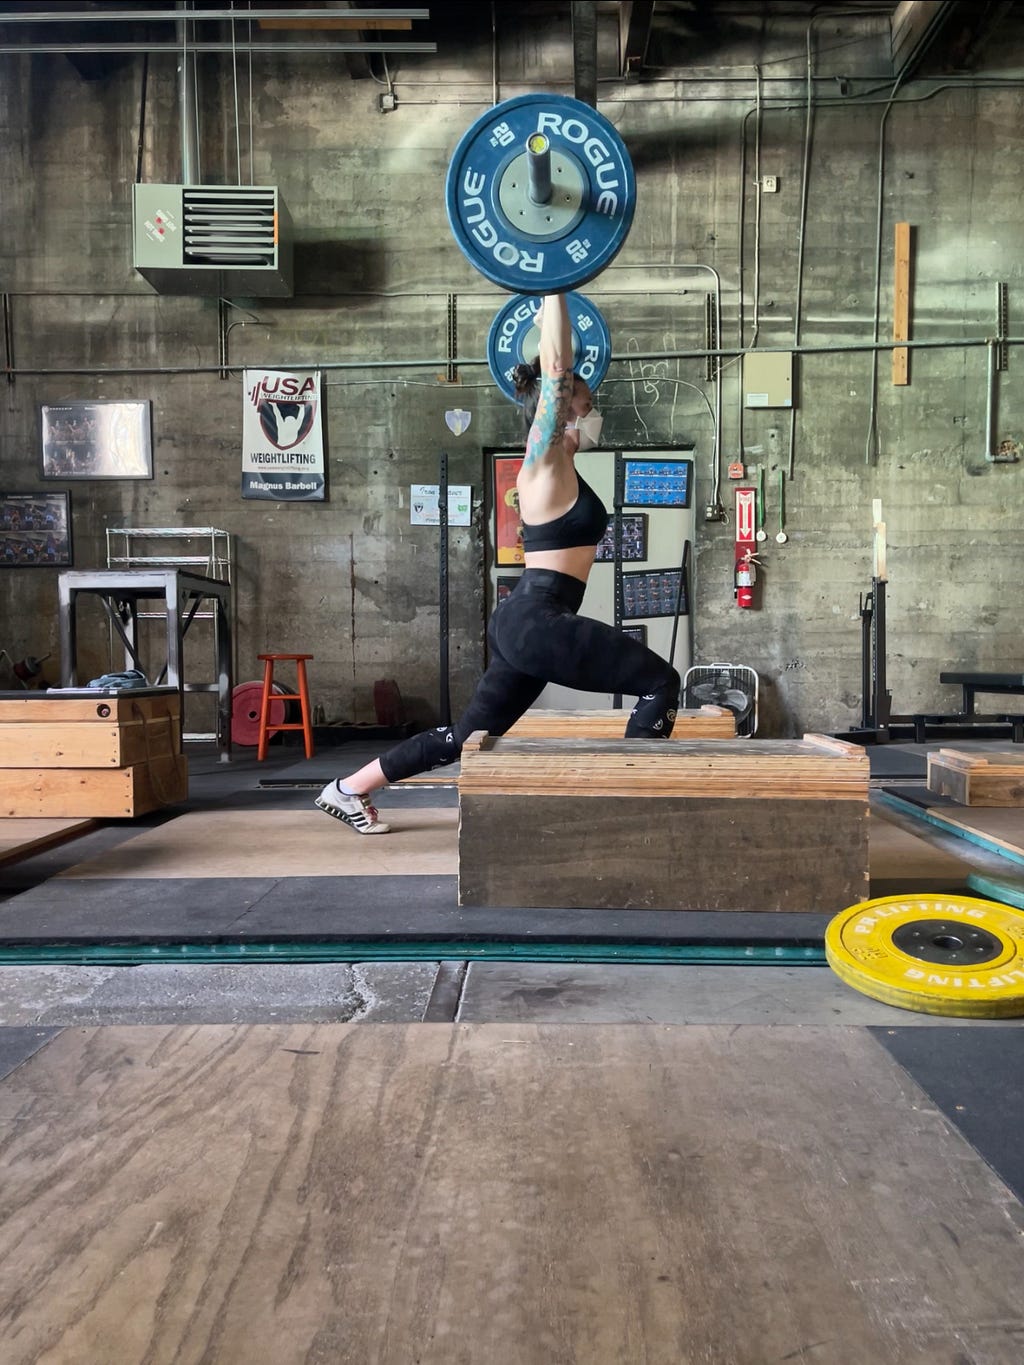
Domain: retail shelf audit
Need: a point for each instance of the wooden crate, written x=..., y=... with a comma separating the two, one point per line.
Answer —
x=663, y=824
x=55, y=707
x=93, y=793
x=68, y=756
x=709, y=722
x=989, y=779
x=71, y=744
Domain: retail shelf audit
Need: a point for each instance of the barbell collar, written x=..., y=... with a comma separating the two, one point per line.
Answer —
x=538, y=165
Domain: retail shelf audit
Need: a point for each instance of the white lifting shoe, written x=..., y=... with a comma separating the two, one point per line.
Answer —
x=356, y=811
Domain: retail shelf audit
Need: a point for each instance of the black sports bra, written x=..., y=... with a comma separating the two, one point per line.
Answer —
x=585, y=523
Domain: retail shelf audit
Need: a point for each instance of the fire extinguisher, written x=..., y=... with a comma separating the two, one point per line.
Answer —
x=746, y=577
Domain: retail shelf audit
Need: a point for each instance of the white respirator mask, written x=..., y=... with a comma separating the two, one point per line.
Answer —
x=589, y=429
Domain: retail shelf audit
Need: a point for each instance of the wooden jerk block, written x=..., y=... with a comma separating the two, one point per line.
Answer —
x=983, y=779
x=94, y=793
x=663, y=824
x=708, y=722
x=91, y=755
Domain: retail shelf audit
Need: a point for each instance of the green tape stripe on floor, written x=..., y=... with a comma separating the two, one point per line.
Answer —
x=386, y=950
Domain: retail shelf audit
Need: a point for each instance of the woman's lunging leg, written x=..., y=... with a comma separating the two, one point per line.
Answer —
x=501, y=697
x=591, y=656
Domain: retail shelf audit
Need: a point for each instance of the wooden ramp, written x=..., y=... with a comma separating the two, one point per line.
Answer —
x=25, y=838
x=996, y=830
x=502, y=1193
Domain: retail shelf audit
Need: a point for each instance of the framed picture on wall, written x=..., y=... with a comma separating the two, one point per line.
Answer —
x=508, y=525
x=633, y=539
x=635, y=633
x=35, y=530
x=654, y=592
x=104, y=439
x=657, y=483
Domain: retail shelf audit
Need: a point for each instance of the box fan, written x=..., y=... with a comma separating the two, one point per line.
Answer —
x=731, y=686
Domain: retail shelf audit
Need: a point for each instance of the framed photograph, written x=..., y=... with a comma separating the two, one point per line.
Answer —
x=506, y=583
x=104, y=439
x=635, y=633
x=633, y=539
x=508, y=525
x=35, y=530
x=654, y=592
x=657, y=483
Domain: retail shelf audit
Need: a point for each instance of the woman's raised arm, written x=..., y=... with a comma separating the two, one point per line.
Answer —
x=556, y=379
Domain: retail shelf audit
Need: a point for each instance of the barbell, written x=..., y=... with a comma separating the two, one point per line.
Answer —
x=540, y=194
x=514, y=339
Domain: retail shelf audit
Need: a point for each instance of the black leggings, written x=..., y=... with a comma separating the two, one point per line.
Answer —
x=537, y=638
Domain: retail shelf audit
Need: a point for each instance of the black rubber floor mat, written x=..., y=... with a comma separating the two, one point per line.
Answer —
x=972, y=1075
x=187, y=910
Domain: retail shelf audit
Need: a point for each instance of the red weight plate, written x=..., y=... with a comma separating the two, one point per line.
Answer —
x=246, y=700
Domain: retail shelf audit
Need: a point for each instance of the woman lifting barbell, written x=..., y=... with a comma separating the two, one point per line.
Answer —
x=536, y=636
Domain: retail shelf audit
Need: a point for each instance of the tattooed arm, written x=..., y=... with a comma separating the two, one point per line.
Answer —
x=556, y=381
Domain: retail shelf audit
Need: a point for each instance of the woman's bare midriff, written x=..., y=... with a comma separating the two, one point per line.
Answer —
x=576, y=562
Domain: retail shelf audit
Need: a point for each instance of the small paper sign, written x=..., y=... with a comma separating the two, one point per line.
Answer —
x=424, y=509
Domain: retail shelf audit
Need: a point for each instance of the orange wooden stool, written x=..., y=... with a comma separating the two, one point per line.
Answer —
x=269, y=695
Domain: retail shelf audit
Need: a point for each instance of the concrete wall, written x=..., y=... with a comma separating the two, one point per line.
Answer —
x=350, y=580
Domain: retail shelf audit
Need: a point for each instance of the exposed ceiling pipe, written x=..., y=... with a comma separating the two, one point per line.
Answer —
x=9, y=49
x=188, y=103
x=122, y=16
x=481, y=362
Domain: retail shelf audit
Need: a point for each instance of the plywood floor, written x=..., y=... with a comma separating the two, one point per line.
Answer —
x=284, y=843
x=507, y=1194
x=424, y=841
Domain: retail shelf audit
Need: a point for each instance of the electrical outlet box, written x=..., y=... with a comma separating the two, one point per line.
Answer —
x=770, y=184
x=768, y=379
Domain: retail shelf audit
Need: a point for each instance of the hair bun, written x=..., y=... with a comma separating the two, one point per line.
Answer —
x=525, y=376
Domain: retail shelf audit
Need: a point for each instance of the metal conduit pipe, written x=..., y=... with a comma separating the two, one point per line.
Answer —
x=188, y=105
x=480, y=361
x=991, y=402
x=8, y=339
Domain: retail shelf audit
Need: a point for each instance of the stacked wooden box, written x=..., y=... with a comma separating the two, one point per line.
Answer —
x=92, y=755
x=979, y=779
x=663, y=824
x=708, y=722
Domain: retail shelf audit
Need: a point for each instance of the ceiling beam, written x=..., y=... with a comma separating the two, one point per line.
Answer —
x=913, y=28
x=584, y=51
x=634, y=34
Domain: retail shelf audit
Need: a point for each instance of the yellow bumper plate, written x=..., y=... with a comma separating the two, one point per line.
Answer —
x=949, y=955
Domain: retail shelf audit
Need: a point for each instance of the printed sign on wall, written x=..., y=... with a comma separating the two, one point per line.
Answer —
x=282, y=436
